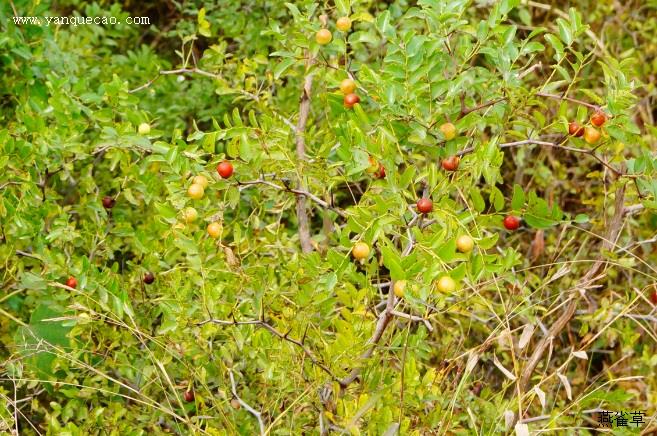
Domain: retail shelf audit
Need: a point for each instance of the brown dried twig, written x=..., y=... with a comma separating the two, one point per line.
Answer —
x=299, y=192
x=304, y=111
x=613, y=230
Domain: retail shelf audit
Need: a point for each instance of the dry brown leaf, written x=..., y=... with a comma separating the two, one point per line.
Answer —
x=505, y=371
x=526, y=335
x=566, y=385
x=230, y=257
x=538, y=245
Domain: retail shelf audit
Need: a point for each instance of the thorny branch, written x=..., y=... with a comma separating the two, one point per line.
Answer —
x=182, y=71
x=413, y=318
x=271, y=329
x=553, y=145
x=384, y=318
x=570, y=99
x=588, y=280
x=299, y=192
x=466, y=110
x=299, y=132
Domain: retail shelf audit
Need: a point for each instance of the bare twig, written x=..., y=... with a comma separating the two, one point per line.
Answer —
x=182, y=71
x=304, y=111
x=650, y=318
x=244, y=404
x=613, y=230
x=384, y=320
x=4, y=185
x=528, y=142
x=382, y=323
x=298, y=192
x=634, y=208
x=553, y=145
x=413, y=318
x=26, y=254
x=570, y=99
x=467, y=110
x=530, y=70
x=271, y=329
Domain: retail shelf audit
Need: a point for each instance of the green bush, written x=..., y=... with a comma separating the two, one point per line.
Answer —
x=276, y=325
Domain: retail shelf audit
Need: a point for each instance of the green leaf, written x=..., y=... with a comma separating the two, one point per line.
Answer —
x=532, y=47
x=556, y=44
x=477, y=200
x=447, y=251
x=539, y=222
x=507, y=5
x=564, y=31
x=362, y=117
x=282, y=66
x=294, y=10
x=382, y=23
x=496, y=198
x=32, y=281
x=518, y=200
x=392, y=261
x=343, y=7
x=45, y=335
x=166, y=211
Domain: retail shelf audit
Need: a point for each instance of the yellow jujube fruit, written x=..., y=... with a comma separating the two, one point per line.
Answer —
x=399, y=287
x=144, y=129
x=200, y=180
x=189, y=214
x=196, y=191
x=323, y=36
x=347, y=86
x=465, y=244
x=591, y=135
x=446, y=284
x=360, y=250
x=448, y=130
x=343, y=24
x=214, y=230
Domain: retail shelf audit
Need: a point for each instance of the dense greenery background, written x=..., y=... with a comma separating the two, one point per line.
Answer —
x=277, y=339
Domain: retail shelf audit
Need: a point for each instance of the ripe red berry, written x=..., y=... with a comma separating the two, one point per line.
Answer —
x=72, y=282
x=653, y=297
x=108, y=202
x=574, y=129
x=350, y=100
x=598, y=118
x=424, y=205
x=451, y=163
x=511, y=222
x=225, y=169
x=189, y=396
x=149, y=278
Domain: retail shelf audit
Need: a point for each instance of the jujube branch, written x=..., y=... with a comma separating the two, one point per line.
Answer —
x=271, y=329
